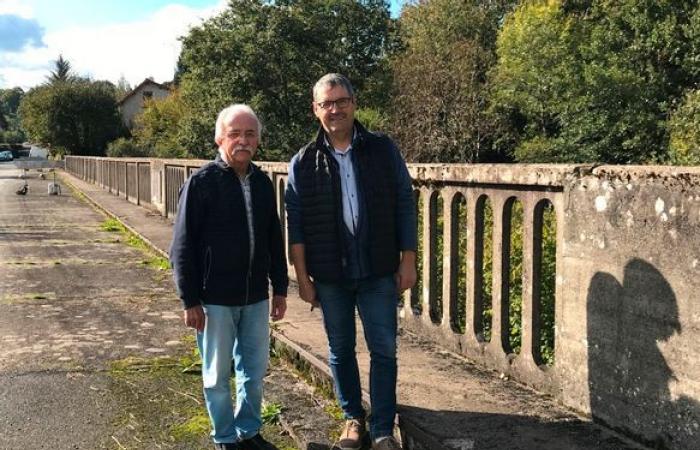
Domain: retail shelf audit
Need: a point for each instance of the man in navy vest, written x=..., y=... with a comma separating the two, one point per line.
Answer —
x=227, y=247
x=352, y=231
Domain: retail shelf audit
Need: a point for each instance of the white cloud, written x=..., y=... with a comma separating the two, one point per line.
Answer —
x=17, y=8
x=136, y=50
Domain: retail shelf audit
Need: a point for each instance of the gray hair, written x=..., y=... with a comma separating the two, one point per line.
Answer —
x=333, y=80
x=227, y=113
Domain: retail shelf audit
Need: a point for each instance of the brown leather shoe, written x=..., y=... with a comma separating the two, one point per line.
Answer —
x=387, y=444
x=353, y=434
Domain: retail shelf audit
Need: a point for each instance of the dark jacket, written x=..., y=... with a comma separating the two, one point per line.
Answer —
x=314, y=202
x=210, y=252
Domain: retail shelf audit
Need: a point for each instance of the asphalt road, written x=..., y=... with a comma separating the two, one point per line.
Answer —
x=73, y=298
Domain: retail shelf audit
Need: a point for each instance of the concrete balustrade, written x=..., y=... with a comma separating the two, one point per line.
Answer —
x=626, y=307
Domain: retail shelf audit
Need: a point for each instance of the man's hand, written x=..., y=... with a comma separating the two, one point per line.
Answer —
x=195, y=318
x=279, y=307
x=307, y=292
x=406, y=274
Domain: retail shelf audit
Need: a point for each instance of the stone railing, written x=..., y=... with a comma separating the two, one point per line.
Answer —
x=580, y=281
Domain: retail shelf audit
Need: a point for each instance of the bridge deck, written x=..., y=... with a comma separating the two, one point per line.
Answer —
x=448, y=402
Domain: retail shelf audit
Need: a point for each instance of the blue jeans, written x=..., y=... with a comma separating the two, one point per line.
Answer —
x=376, y=299
x=244, y=332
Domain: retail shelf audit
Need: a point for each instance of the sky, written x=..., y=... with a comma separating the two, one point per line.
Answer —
x=105, y=40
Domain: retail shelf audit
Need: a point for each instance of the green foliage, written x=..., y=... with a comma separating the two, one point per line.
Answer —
x=158, y=126
x=372, y=118
x=122, y=88
x=487, y=274
x=10, y=130
x=685, y=131
x=586, y=81
x=62, y=71
x=10, y=100
x=153, y=260
x=125, y=147
x=12, y=137
x=439, y=102
x=77, y=117
x=417, y=291
x=271, y=413
x=112, y=226
x=193, y=428
x=269, y=55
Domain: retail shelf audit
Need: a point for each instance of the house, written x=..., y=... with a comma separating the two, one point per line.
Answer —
x=133, y=103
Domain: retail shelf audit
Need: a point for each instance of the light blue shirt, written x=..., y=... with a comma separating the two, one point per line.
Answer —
x=348, y=186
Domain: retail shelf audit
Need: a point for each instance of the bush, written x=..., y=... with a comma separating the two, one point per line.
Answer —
x=11, y=137
x=125, y=147
x=684, y=126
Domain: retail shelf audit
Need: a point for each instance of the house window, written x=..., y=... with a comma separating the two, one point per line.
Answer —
x=147, y=95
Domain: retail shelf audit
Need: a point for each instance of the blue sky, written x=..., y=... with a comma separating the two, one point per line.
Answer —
x=133, y=39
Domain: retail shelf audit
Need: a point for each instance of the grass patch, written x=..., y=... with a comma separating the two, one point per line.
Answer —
x=271, y=413
x=153, y=260
x=335, y=411
x=112, y=226
x=192, y=428
x=162, y=405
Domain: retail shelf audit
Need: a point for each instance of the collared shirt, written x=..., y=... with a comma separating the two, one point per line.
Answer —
x=348, y=186
x=245, y=186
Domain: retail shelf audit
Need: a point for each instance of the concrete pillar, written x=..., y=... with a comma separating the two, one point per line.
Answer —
x=450, y=261
x=502, y=207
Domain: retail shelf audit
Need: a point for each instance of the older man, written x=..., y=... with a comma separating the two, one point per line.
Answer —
x=227, y=243
x=352, y=229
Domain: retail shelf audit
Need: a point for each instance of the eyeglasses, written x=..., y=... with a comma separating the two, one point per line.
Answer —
x=340, y=103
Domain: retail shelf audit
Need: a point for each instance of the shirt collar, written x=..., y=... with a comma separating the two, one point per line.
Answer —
x=221, y=162
x=335, y=150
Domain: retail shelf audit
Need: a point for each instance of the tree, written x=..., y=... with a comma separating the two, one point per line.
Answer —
x=123, y=87
x=538, y=67
x=78, y=117
x=156, y=129
x=595, y=80
x=62, y=71
x=123, y=147
x=10, y=131
x=269, y=55
x=684, y=126
x=439, y=97
x=10, y=99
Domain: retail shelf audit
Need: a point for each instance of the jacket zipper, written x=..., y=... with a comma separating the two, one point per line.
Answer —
x=250, y=249
x=207, y=261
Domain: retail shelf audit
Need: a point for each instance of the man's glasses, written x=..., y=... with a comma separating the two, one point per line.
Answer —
x=340, y=103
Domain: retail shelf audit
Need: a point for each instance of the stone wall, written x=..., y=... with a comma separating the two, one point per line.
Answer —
x=630, y=318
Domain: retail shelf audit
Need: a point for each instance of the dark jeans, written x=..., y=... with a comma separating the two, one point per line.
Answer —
x=376, y=299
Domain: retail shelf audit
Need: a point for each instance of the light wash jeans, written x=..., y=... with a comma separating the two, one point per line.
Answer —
x=244, y=332
x=376, y=299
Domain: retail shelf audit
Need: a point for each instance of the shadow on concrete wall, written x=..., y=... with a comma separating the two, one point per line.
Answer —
x=628, y=376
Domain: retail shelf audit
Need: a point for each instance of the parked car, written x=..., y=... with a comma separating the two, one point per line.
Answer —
x=6, y=155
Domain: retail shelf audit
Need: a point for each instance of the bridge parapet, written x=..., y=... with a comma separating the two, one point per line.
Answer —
x=580, y=281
